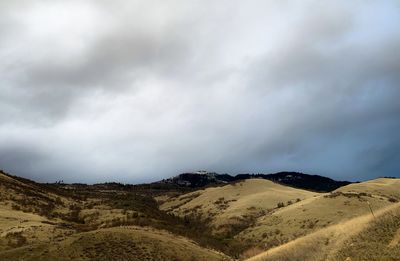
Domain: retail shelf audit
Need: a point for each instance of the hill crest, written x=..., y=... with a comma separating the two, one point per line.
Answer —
x=300, y=180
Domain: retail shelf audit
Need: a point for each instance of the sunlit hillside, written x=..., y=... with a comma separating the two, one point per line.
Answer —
x=252, y=218
x=236, y=205
x=366, y=237
x=320, y=211
x=46, y=222
x=119, y=243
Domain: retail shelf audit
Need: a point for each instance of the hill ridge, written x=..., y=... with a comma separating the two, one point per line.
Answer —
x=300, y=180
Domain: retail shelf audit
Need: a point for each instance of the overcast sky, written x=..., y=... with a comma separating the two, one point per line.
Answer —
x=137, y=91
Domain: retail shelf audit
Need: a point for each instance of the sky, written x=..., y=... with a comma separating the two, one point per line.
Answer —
x=137, y=91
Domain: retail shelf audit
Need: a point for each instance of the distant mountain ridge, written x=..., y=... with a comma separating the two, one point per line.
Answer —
x=199, y=179
x=294, y=179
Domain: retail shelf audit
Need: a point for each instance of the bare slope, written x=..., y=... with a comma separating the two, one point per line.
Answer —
x=235, y=204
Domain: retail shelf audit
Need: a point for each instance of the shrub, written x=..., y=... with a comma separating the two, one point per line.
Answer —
x=15, y=207
x=16, y=239
x=59, y=202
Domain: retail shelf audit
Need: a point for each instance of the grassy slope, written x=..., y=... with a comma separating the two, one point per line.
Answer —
x=53, y=218
x=307, y=216
x=236, y=203
x=32, y=213
x=25, y=212
x=380, y=240
x=18, y=228
x=20, y=194
x=361, y=238
x=122, y=243
x=381, y=187
x=34, y=216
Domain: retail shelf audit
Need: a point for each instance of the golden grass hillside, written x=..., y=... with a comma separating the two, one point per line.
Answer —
x=19, y=229
x=51, y=222
x=25, y=195
x=236, y=204
x=323, y=210
x=362, y=238
x=382, y=187
x=119, y=243
x=28, y=213
x=115, y=221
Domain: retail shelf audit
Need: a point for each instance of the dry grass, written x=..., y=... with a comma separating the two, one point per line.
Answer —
x=378, y=241
x=32, y=227
x=31, y=197
x=124, y=243
x=382, y=187
x=39, y=222
x=310, y=215
x=362, y=238
x=234, y=204
x=27, y=232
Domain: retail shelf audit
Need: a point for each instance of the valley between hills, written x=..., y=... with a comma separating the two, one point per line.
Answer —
x=202, y=216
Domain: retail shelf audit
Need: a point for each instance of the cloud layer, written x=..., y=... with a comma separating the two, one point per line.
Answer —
x=136, y=91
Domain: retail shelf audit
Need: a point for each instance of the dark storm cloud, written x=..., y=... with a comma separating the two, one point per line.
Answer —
x=19, y=159
x=138, y=91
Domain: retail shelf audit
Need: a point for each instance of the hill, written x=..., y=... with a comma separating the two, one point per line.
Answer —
x=322, y=210
x=362, y=238
x=119, y=243
x=262, y=214
x=228, y=220
x=294, y=179
x=35, y=216
x=234, y=206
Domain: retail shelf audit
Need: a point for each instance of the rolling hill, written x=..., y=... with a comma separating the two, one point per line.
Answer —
x=235, y=205
x=299, y=180
x=361, y=238
x=320, y=211
x=69, y=222
x=118, y=243
x=245, y=218
x=249, y=210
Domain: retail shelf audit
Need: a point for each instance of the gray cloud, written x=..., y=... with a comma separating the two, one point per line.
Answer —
x=96, y=91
